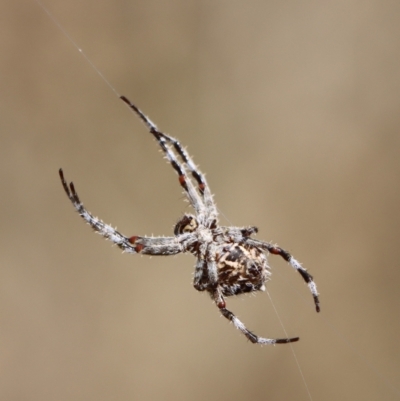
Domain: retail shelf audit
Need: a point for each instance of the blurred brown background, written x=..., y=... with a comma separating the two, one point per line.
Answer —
x=292, y=110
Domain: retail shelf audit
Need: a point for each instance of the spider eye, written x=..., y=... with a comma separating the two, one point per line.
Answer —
x=186, y=224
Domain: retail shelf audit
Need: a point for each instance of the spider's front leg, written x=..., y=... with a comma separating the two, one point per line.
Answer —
x=135, y=244
x=220, y=302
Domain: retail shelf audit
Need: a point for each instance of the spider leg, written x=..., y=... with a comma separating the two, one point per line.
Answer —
x=212, y=264
x=206, y=265
x=220, y=302
x=276, y=250
x=238, y=234
x=198, y=275
x=162, y=140
x=143, y=245
x=203, y=187
x=156, y=246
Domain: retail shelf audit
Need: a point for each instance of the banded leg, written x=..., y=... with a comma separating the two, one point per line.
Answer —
x=197, y=175
x=239, y=234
x=212, y=264
x=198, y=275
x=220, y=302
x=276, y=250
x=156, y=246
x=204, y=189
x=143, y=245
x=206, y=272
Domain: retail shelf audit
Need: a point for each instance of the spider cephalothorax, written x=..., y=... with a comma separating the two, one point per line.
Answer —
x=229, y=261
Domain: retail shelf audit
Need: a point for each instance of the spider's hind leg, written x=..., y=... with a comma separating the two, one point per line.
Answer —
x=307, y=277
x=220, y=302
x=276, y=250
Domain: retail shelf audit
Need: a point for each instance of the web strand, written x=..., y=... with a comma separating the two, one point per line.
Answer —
x=291, y=347
x=69, y=37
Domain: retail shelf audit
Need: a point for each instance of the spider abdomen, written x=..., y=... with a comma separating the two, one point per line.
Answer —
x=241, y=269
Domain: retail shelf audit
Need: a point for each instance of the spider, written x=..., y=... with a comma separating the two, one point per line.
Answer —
x=229, y=261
